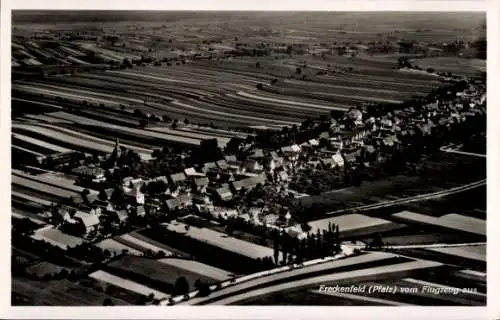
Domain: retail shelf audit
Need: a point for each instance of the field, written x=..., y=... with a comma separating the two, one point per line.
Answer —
x=152, y=273
x=466, y=252
x=466, y=67
x=174, y=86
x=195, y=266
x=117, y=247
x=57, y=238
x=57, y=293
x=222, y=241
x=126, y=284
x=355, y=223
x=141, y=243
x=464, y=224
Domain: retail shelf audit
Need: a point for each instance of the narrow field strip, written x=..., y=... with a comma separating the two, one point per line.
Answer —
x=198, y=267
x=127, y=284
x=143, y=244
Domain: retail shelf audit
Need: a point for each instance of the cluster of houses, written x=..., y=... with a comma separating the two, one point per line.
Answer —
x=211, y=187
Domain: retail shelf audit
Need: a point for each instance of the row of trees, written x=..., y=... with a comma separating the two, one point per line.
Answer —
x=321, y=244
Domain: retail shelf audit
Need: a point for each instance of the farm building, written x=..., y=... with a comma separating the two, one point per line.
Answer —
x=248, y=183
x=177, y=178
x=134, y=196
x=253, y=165
x=86, y=222
x=291, y=152
x=191, y=172
x=224, y=192
x=200, y=184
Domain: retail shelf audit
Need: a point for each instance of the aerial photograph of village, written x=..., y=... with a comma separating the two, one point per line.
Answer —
x=174, y=158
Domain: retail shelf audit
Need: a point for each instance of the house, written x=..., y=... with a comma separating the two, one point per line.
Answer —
x=63, y=214
x=130, y=182
x=207, y=167
x=200, y=184
x=248, y=183
x=141, y=212
x=222, y=164
x=253, y=165
x=173, y=204
x=230, y=158
x=224, y=213
x=134, y=196
x=328, y=163
x=224, y=192
x=314, y=143
x=177, y=178
x=191, y=172
x=257, y=154
x=339, y=160
x=179, y=202
x=336, y=142
x=94, y=174
x=121, y=216
x=104, y=205
x=291, y=151
x=270, y=164
x=283, y=176
x=324, y=135
x=86, y=222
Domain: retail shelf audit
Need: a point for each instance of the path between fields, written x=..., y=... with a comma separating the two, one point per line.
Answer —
x=452, y=149
x=421, y=197
x=425, y=246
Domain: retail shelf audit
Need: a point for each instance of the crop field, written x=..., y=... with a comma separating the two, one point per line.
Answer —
x=127, y=284
x=467, y=252
x=80, y=141
x=57, y=293
x=198, y=267
x=54, y=180
x=455, y=222
x=355, y=224
x=56, y=237
x=223, y=241
x=116, y=247
x=195, y=90
x=455, y=65
x=153, y=273
x=142, y=243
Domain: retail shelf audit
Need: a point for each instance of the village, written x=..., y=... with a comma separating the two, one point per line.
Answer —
x=253, y=185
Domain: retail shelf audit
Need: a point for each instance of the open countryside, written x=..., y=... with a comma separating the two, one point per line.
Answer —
x=168, y=158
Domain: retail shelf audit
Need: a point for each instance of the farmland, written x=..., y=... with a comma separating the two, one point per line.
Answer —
x=158, y=157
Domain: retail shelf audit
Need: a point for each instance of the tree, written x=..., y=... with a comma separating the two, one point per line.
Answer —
x=103, y=196
x=107, y=302
x=257, y=64
x=305, y=227
x=298, y=70
x=430, y=70
x=181, y=286
x=259, y=86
